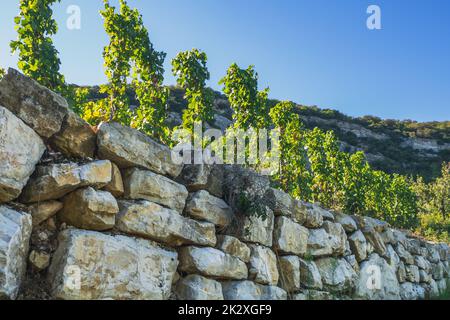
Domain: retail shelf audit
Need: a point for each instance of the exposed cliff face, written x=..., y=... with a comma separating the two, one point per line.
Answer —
x=108, y=215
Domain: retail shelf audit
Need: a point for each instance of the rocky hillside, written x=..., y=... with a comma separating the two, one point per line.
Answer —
x=404, y=147
x=107, y=214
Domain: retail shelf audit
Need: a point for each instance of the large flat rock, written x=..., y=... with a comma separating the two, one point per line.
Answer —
x=127, y=148
x=146, y=185
x=15, y=231
x=211, y=262
x=54, y=181
x=40, y=108
x=20, y=150
x=150, y=220
x=90, y=265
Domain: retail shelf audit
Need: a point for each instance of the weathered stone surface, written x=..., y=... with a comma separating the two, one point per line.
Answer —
x=253, y=229
x=39, y=260
x=314, y=217
x=44, y=210
x=337, y=274
x=443, y=249
x=401, y=272
x=127, y=148
x=358, y=245
x=328, y=215
x=422, y=263
x=348, y=251
x=89, y=209
x=351, y=259
x=392, y=257
x=388, y=236
x=412, y=273
x=314, y=295
x=195, y=287
x=150, y=220
x=413, y=246
x=337, y=237
x=368, y=222
x=211, y=262
x=280, y=202
x=76, y=138
x=399, y=237
x=309, y=275
x=437, y=270
x=241, y=290
x=411, y=291
x=55, y=181
x=375, y=240
x=347, y=222
x=248, y=290
x=146, y=185
x=263, y=265
x=115, y=187
x=446, y=269
x=234, y=247
x=442, y=285
x=203, y=177
x=425, y=277
x=385, y=288
x=15, y=231
x=203, y=206
x=289, y=269
x=40, y=108
x=290, y=237
x=299, y=211
x=94, y=266
x=404, y=255
x=431, y=289
x=20, y=150
x=319, y=243
x=433, y=254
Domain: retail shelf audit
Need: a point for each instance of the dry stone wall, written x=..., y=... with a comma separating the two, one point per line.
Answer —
x=106, y=214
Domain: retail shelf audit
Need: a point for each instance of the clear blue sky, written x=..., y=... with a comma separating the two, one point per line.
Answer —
x=312, y=52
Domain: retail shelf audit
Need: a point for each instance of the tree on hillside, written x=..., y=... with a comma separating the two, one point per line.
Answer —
x=148, y=77
x=356, y=179
x=293, y=174
x=38, y=58
x=190, y=69
x=130, y=54
x=434, y=205
x=250, y=106
x=327, y=168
